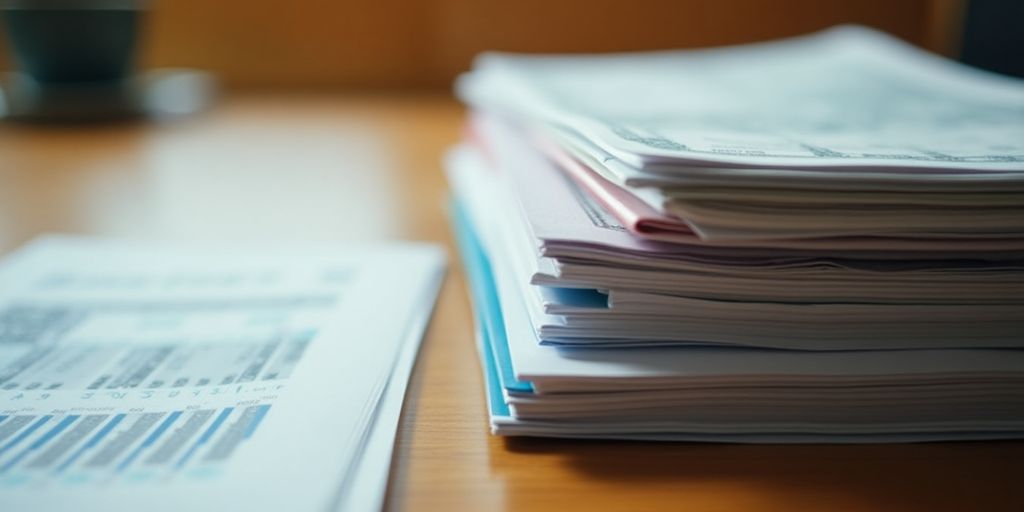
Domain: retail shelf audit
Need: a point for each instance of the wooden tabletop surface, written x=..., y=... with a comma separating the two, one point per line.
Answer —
x=283, y=169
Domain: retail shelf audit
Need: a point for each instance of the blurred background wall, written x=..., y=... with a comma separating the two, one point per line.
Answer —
x=423, y=44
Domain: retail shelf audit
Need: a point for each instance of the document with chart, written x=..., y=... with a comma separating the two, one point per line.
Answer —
x=158, y=378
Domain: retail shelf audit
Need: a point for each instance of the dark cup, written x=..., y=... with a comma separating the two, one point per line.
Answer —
x=74, y=41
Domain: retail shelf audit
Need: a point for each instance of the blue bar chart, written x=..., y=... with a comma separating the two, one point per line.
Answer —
x=101, y=447
x=180, y=400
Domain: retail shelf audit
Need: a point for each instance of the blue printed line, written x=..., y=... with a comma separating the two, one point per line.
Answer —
x=206, y=436
x=149, y=440
x=92, y=442
x=260, y=413
x=25, y=433
x=57, y=429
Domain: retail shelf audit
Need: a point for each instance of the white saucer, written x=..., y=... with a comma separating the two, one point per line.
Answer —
x=151, y=94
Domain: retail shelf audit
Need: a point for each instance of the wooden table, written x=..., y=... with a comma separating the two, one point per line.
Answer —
x=282, y=169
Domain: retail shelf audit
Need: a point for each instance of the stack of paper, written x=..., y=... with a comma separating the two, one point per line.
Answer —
x=185, y=378
x=816, y=239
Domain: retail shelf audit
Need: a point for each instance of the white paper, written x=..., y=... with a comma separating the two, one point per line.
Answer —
x=551, y=368
x=627, y=317
x=367, y=488
x=244, y=378
x=584, y=248
x=846, y=97
x=738, y=395
x=563, y=213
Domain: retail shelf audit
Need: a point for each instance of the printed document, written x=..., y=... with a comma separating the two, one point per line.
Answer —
x=169, y=378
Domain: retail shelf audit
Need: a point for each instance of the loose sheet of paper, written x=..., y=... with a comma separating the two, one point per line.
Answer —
x=196, y=379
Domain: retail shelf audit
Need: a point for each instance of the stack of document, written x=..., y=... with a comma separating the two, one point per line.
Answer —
x=818, y=239
x=202, y=378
